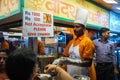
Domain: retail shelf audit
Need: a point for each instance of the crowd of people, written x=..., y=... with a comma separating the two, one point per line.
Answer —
x=20, y=64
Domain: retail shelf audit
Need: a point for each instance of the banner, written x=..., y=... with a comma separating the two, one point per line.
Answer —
x=37, y=24
x=66, y=10
x=9, y=8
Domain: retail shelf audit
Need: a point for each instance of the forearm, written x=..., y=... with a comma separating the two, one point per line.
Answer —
x=115, y=66
x=77, y=62
x=115, y=61
x=116, y=69
x=62, y=74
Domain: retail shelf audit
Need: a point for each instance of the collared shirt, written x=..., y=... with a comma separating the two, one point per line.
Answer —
x=86, y=48
x=104, y=51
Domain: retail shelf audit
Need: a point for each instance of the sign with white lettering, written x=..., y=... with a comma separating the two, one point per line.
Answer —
x=37, y=24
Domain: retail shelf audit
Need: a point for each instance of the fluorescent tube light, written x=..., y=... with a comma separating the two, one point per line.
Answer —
x=110, y=1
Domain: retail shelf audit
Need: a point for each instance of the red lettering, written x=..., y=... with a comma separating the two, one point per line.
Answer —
x=61, y=7
x=7, y=4
x=28, y=23
x=31, y=34
x=36, y=19
x=12, y=2
x=65, y=8
x=43, y=34
x=39, y=29
x=43, y=25
x=53, y=5
x=35, y=14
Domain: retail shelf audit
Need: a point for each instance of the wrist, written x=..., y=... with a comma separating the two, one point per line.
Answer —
x=57, y=68
x=58, y=71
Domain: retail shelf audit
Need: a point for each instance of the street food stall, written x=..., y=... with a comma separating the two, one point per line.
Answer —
x=63, y=15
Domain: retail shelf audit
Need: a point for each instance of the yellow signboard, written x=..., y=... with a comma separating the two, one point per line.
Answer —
x=66, y=9
x=9, y=7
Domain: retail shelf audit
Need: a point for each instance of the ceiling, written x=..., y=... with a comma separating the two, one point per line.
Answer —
x=109, y=6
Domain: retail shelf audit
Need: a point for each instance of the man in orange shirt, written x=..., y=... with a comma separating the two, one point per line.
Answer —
x=81, y=48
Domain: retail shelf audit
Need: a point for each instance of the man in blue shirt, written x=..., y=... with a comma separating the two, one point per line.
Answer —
x=105, y=57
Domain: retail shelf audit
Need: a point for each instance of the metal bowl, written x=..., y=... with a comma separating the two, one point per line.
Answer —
x=81, y=77
x=45, y=77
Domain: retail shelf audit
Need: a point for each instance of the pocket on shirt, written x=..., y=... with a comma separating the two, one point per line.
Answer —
x=109, y=48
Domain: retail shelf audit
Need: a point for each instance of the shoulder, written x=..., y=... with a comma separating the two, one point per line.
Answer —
x=40, y=42
x=111, y=43
x=87, y=40
x=96, y=40
x=71, y=41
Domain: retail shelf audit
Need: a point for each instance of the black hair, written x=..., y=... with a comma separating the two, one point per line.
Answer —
x=20, y=64
x=4, y=50
x=2, y=39
x=102, y=30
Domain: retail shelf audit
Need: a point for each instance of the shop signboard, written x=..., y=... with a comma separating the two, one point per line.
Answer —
x=9, y=8
x=66, y=10
x=37, y=23
x=114, y=22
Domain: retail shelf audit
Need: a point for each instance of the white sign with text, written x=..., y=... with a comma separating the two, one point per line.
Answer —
x=37, y=24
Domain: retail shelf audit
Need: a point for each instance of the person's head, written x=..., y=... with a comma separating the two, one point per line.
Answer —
x=80, y=21
x=20, y=64
x=105, y=33
x=90, y=33
x=79, y=29
x=1, y=36
x=3, y=57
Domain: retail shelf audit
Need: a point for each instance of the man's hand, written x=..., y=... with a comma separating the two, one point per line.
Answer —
x=116, y=72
